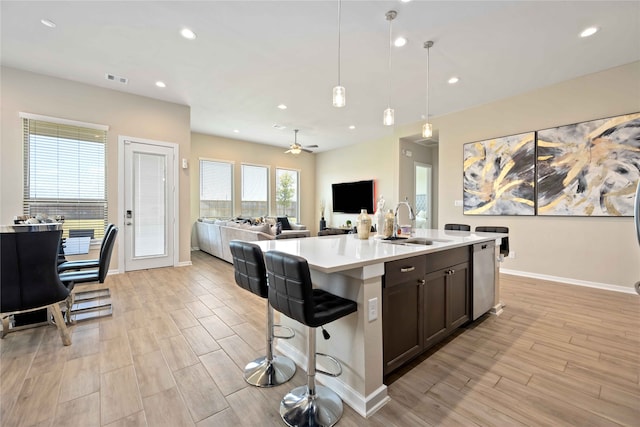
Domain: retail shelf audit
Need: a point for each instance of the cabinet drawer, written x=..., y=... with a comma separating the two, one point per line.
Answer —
x=439, y=260
x=403, y=270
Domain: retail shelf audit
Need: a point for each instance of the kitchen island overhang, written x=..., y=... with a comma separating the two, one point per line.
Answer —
x=352, y=268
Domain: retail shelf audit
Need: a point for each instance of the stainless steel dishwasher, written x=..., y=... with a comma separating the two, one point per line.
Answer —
x=484, y=270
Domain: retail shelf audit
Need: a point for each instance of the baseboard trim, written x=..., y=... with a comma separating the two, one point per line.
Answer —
x=568, y=281
x=365, y=406
x=184, y=264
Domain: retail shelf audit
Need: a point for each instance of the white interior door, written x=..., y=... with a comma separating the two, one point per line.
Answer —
x=149, y=191
x=422, y=176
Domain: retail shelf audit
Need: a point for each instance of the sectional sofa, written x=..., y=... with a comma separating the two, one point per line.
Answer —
x=214, y=235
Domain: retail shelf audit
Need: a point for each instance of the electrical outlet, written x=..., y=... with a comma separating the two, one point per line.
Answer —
x=457, y=203
x=373, y=309
x=512, y=254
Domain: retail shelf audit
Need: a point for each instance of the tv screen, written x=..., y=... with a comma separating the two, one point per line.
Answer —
x=351, y=197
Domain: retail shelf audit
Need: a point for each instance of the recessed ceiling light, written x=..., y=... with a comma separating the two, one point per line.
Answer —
x=352, y=127
x=48, y=23
x=453, y=80
x=188, y=34
x=236, y=131
x=399, y=42
x=405, y=1
x=282, y=107
x=160, y=84
x=589, y=31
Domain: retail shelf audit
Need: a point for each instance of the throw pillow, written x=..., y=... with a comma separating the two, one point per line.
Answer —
x=285, y=222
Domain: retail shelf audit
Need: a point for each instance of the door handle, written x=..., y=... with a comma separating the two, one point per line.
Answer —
x=129, y=223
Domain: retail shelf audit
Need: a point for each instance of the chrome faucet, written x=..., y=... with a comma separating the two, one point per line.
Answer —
x=395, y=215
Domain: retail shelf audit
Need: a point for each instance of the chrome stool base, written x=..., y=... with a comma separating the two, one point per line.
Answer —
x=300, y=409
x=264, y=373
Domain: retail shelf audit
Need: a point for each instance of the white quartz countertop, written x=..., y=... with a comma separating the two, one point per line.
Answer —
x=344, y=252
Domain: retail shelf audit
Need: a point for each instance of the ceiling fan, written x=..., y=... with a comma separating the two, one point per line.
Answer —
x=296, y=148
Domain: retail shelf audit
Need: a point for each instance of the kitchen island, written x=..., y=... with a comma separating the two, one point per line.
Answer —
x=354, y=269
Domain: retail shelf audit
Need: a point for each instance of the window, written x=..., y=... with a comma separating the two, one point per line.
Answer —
x=287, y=193
x=216, y=189
x=255, y=191
x=64, y=173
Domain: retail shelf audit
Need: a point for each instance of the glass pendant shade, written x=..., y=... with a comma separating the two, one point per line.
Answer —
x=427, y=130
x=387, y=118
x=339, y=96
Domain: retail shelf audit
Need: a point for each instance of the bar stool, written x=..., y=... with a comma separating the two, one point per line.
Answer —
x=251, y=274
x=504, y=244
x=459, y=227
x=291, y=293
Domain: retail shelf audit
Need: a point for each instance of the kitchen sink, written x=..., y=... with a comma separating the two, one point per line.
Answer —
x=412, y=241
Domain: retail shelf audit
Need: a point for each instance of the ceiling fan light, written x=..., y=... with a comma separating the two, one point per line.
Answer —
x=388, y=117
x=339, y=96
x=427, y=130
x=296, y=150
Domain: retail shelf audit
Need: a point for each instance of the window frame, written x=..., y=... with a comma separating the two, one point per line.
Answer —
x=297, y=192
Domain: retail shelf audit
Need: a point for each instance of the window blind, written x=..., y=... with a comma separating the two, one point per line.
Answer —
x=64, y=174
x=255, y=190
x=216, y=189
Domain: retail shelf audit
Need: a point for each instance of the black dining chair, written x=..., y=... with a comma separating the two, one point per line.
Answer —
x=91, y=303
x=88, y=263
x=29, y=277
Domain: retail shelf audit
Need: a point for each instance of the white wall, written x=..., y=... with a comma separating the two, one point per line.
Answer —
x=576, y=249
x=125, y=114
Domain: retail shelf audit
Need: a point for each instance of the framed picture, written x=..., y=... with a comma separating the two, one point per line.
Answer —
x=499, y=176
x=590, y=168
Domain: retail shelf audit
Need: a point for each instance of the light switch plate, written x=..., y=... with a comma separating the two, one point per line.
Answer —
x=457, y=202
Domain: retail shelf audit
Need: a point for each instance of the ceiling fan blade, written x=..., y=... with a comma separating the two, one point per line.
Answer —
x=311, y=146
x=306, y=151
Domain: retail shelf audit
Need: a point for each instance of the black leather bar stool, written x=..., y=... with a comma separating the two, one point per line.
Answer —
x=251, y=274
x=291, y=293
x=459, y=227
x=504, y=244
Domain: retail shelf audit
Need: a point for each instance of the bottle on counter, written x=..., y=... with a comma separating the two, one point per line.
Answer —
x=388, y=224
x=363, y=224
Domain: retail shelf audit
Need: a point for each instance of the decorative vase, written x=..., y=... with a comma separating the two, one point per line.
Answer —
x=364, y=225
x=323, y=224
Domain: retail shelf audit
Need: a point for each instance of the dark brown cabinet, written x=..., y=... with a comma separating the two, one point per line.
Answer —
x=402, y=321
x=446, y=302
x=424, y=299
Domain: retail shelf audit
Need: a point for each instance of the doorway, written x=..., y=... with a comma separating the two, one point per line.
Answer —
x=147, y=203
x=422, y=190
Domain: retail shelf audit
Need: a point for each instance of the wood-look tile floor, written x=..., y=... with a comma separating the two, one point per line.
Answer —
x=172, y=355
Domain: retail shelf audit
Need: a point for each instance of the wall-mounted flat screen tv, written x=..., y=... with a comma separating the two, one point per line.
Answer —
x=351, y=197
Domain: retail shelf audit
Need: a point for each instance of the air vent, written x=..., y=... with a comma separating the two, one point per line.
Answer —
x=115, y=78
x=279, y=127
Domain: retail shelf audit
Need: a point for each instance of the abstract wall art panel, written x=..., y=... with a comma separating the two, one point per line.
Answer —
x=590, y=168
x=499, y=176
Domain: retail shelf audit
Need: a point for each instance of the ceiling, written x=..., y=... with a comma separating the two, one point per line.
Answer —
x=251, y=56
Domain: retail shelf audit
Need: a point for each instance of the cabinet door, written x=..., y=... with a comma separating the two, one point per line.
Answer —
x=458, y=302
x=402, y=323
x=435, y=307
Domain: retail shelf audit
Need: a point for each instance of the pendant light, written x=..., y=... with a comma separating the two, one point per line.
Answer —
x=388, y=115
x=427, y=128
x=339, y=92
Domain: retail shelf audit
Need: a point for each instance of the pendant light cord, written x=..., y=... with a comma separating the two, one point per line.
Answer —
x=390, y=43
x=339, y=16
x=427, y=116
